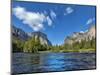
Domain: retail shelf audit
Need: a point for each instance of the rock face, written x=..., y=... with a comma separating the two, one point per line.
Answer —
x=42, y=37
x=20, y=34
x=79, y=36
x=92, y=32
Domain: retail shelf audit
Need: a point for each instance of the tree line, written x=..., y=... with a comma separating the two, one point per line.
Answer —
x=34, y=46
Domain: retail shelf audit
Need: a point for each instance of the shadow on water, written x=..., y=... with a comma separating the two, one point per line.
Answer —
x=49, y=62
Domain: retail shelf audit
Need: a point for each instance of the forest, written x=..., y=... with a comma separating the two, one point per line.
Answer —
x=33, y=45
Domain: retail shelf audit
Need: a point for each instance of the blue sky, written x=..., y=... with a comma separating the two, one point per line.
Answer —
x=55, y=20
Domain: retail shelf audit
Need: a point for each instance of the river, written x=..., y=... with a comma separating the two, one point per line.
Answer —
x=52, y=62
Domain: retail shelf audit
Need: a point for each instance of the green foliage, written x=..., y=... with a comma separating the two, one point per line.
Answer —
x=17, y=45
x=93, y=43
x=33, y=45
x=80, y=46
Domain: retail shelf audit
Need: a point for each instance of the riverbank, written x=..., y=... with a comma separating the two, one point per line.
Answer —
x=65, y=51
x=81, y=50
x=70, y=51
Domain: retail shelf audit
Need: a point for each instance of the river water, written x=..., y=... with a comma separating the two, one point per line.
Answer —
x=52, y=62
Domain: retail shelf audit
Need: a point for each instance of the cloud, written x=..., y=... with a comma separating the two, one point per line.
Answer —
x=49, y=21
x=90, y=20
x=19, y=12
x=81, y=31
x=68, y=10
x=33, y=19
x=53, y=14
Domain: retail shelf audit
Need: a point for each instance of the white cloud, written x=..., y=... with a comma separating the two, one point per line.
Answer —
x=90, y=20
x=53, y=14
x=81, y=31
x=68, y=10
x=19, y=12
x=34, y=19
x=45, y=12
x=49, y=21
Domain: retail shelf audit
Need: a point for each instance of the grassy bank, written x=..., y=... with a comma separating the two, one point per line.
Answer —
x=76, y=50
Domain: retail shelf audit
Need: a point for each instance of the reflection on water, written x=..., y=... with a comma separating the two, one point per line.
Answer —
x=49, y=62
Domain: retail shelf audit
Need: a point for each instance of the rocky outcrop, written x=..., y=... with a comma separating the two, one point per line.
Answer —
x=41, y=36
x=19, y=34
x=79, y=36
x=22, y=35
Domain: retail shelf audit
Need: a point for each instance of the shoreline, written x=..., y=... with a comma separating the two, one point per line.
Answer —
x=64, y=51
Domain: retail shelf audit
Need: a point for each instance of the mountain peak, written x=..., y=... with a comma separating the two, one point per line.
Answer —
x=42, y=37
x=22, y=35
x=78, y=36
